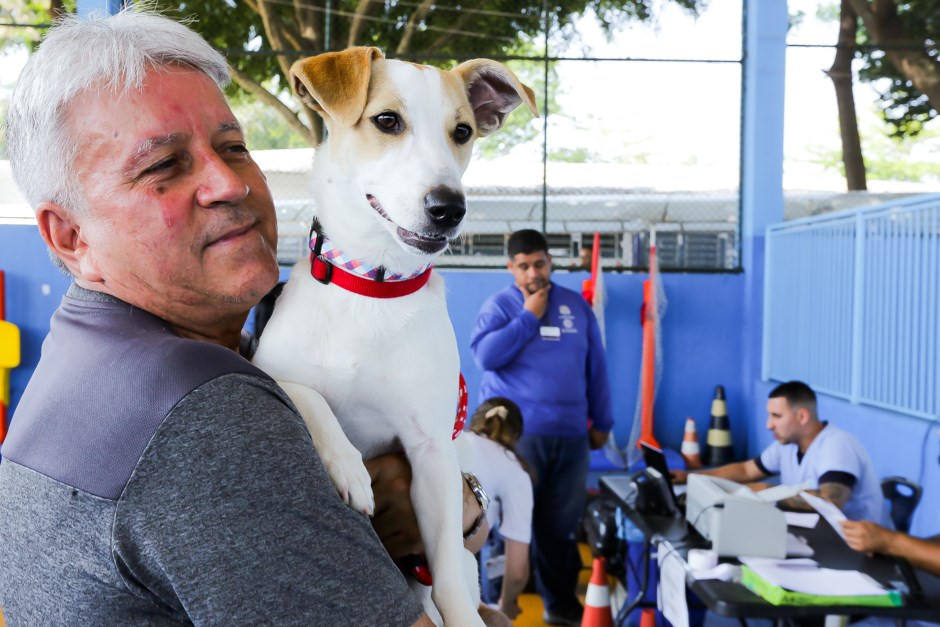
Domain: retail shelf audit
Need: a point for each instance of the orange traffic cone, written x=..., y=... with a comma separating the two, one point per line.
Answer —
x=648, y=618
x=597, y=599
x=690, y=448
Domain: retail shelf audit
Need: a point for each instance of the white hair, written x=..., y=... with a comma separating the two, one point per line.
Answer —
x=114, y=53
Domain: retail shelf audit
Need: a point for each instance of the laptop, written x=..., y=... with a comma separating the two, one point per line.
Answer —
x=656, y=459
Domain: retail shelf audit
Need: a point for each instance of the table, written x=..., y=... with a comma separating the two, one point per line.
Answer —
x=735, y=600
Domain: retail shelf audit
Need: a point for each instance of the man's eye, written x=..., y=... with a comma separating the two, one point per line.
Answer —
x=160, y=166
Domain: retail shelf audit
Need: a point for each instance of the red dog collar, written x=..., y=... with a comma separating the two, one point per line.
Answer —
x=325, y=272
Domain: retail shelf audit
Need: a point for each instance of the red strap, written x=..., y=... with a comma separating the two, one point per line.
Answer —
x=325, y=272
x=461, y=408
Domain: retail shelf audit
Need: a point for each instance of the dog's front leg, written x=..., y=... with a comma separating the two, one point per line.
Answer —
x=343, y=462
x=437, y=495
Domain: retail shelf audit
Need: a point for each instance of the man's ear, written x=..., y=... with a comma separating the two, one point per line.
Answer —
x=509, y=265
x=802, y=414
x=63, y=236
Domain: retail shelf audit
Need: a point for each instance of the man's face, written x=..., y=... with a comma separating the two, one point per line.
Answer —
x=532, y=272
x=783, y=420
x=181, y=222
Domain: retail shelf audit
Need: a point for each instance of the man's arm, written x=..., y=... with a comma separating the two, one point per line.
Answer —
x=256, y=526
x=836, y=493
x=742, y=472
x=498, y=338
x=395, y=521
x=515, y=577
x=869, y=537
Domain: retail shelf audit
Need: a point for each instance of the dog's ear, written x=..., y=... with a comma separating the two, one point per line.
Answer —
x=493, y=91
x=336, y=84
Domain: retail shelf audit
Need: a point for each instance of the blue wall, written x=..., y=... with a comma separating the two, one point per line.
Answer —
x=701, y=333
x=34, y=288
x=704, y=331
x=701, y=344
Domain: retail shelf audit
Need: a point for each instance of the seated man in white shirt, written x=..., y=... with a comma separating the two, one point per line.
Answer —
x=809, y=451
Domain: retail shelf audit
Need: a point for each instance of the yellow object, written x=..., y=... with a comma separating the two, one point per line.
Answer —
x=9, y=345
x=4, y=393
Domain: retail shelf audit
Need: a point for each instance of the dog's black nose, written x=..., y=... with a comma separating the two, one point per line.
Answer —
x=446, y=207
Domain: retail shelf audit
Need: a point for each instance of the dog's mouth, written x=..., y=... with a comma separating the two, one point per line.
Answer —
x=428, y=244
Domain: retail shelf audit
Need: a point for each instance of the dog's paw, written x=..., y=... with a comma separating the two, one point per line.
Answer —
x=351, y=479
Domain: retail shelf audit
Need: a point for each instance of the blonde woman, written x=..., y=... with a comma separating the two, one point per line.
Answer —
x=504, y=560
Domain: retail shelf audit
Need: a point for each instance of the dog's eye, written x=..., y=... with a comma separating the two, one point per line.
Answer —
x=388, y=122
x=463, y=133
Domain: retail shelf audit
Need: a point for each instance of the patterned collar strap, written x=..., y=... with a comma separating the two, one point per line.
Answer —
x=357, y=277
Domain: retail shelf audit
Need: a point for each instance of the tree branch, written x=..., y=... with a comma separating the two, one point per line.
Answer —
x=284, y=30
x=305, y=17
x=456, y=25
x=419, y=14
x=274, y=29
x=255, y=89
x=361, y=10
x=886, y=29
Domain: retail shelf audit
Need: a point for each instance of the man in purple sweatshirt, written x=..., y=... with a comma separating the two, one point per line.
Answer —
x=539, y=344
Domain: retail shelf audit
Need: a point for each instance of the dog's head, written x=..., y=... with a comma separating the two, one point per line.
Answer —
x=400, y=136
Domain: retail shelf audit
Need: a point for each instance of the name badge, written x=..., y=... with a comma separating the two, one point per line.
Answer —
x=550, y=333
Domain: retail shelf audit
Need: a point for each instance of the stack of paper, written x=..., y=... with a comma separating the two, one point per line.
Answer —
x=805, y=582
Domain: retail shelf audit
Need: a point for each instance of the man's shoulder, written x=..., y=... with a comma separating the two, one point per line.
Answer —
x=506, y=298
x=833, y=439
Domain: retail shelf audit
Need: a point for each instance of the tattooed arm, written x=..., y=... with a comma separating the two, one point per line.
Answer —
x=836, y=493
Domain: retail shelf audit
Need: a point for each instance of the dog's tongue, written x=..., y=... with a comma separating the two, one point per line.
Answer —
x=424, y=243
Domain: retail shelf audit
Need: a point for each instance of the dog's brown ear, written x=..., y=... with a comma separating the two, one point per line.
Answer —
x=336, y=84
x=493, y=91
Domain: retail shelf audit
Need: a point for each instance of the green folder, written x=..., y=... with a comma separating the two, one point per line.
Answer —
x=781, y=596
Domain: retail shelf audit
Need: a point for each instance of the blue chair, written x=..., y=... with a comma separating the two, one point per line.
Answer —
x=902, y=496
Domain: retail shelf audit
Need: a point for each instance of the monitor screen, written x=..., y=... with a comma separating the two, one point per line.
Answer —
x=655, y=458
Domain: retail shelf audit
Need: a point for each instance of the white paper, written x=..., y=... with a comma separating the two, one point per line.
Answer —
x=805, y=575
x=806, y=520
x=780, y=492
x=671, y=591
x=722, y=572
x=830, y=512
x=797, y=546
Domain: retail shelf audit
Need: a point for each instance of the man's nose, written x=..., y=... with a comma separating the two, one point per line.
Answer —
x=220, y=183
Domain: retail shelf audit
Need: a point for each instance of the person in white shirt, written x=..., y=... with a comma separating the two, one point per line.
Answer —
x=808, y=450
x=494, y=430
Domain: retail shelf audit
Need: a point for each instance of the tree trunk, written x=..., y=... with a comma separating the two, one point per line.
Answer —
x=841, y=75
x=885, y=28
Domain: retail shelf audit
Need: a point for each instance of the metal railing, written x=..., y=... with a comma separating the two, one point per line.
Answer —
x=851, y=304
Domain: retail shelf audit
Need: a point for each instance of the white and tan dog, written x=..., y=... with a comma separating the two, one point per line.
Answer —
x=360, y=337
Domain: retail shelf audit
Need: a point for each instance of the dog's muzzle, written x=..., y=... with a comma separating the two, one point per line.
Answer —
x=445, y=208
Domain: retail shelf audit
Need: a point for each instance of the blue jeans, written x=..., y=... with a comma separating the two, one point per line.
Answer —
x=490, y=589
x=561, y=467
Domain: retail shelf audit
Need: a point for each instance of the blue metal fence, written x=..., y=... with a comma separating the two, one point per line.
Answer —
x=852, y=304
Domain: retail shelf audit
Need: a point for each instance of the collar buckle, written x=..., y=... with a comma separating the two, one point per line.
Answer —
x=325, y=266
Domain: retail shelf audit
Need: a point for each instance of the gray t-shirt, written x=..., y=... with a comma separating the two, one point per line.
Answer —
x=186, y=492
